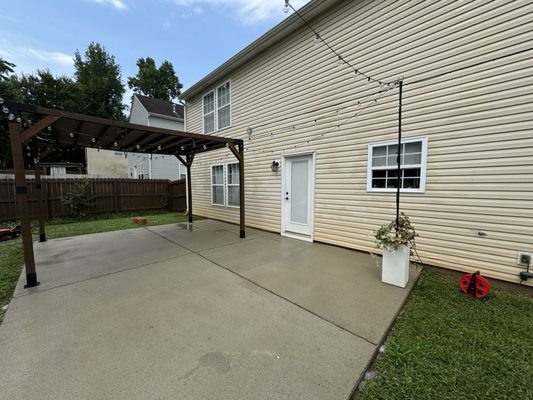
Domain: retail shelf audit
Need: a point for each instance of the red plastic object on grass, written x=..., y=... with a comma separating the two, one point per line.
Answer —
x=475, y=285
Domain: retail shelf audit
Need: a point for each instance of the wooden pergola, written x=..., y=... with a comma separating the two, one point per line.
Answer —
x=27, y=122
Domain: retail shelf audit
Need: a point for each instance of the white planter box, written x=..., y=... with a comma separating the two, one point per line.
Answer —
x=395, y=266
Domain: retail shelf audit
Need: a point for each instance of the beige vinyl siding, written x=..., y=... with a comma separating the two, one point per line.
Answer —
x=477, y=116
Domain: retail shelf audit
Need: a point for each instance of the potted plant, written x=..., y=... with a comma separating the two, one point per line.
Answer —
x=398, y=243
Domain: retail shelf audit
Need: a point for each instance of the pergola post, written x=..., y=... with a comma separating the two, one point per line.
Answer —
x=21, y=191
x=38, y=192
x=40, y=202
x=188, y=163
x=239, y=154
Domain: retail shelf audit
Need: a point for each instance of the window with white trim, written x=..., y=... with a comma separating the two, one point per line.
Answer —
x=217, y=185
x=382, y=173
x=209, y=112
x=225, y=188
x=232, y=185
x=217, y=108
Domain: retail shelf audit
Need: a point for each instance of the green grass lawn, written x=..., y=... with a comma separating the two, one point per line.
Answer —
x=11, y=256
x=446, y=345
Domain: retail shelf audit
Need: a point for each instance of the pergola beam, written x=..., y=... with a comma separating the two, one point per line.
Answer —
x=37, y=128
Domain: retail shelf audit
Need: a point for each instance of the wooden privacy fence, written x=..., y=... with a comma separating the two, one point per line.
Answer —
x=109, y=196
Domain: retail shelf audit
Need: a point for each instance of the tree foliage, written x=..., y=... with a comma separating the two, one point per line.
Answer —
x=5, y=68
x=99, y=83
x=161, y=83
x=47, y=90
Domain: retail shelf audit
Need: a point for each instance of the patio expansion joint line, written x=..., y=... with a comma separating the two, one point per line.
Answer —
x=98, y=276
x=210, y=248
x=268, y=290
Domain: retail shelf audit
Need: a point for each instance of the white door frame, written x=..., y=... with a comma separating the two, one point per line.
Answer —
x=311, y=204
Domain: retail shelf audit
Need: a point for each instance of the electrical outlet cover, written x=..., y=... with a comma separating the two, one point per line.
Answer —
x=523, y=253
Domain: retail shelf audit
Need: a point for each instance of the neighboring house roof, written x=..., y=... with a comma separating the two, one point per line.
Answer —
x=269, y=39
x=160, y=107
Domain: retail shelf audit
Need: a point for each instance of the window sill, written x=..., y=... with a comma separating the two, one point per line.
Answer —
x=394, y=191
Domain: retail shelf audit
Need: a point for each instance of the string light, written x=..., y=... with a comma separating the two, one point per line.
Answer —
x=286, y=7
x=317, y=35
x=317, y=40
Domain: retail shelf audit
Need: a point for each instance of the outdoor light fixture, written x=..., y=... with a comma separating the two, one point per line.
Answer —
x=93, y=140
x=159, y=148
x=249, y=133
x=316, y=41
x=138, y=147
x=11, y=117
x=115, y=144
x=286, y=7
x=275, y=166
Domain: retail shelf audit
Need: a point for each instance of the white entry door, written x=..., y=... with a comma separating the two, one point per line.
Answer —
x=298, y=196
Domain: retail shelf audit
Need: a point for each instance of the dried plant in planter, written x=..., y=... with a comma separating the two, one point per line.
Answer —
x=388, y=237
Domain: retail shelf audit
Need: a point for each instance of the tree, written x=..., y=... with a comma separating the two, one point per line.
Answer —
x=99, y=83
x=7, y=92
x=160, y=83
x=5, y=68
x=47, y=90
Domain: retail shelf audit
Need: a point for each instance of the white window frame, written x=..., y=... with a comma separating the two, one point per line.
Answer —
x=227, y=184
x=216, y=108
x=223, y=185
x=422, y=165
x=214, y=112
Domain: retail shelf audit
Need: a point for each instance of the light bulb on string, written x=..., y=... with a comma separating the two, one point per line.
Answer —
x=286, y=7
x=317, y=40
x=71, y=135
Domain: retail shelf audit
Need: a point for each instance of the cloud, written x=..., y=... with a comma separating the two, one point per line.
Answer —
x=54, y=57
x=29, y=59
x=118, y=4
x=248, y=11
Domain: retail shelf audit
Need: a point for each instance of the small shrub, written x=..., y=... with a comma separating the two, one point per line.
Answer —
x=79, y=199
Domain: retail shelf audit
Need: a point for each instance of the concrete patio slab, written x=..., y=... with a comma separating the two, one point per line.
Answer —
x=176, y=313
x=75, y=259
x=341, y=285
x=214, y=234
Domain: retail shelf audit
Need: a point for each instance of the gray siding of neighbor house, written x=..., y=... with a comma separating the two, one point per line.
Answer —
x=162, y=166
x=475, y=108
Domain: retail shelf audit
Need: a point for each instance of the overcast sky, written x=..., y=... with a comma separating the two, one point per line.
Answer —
x=195, y=35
